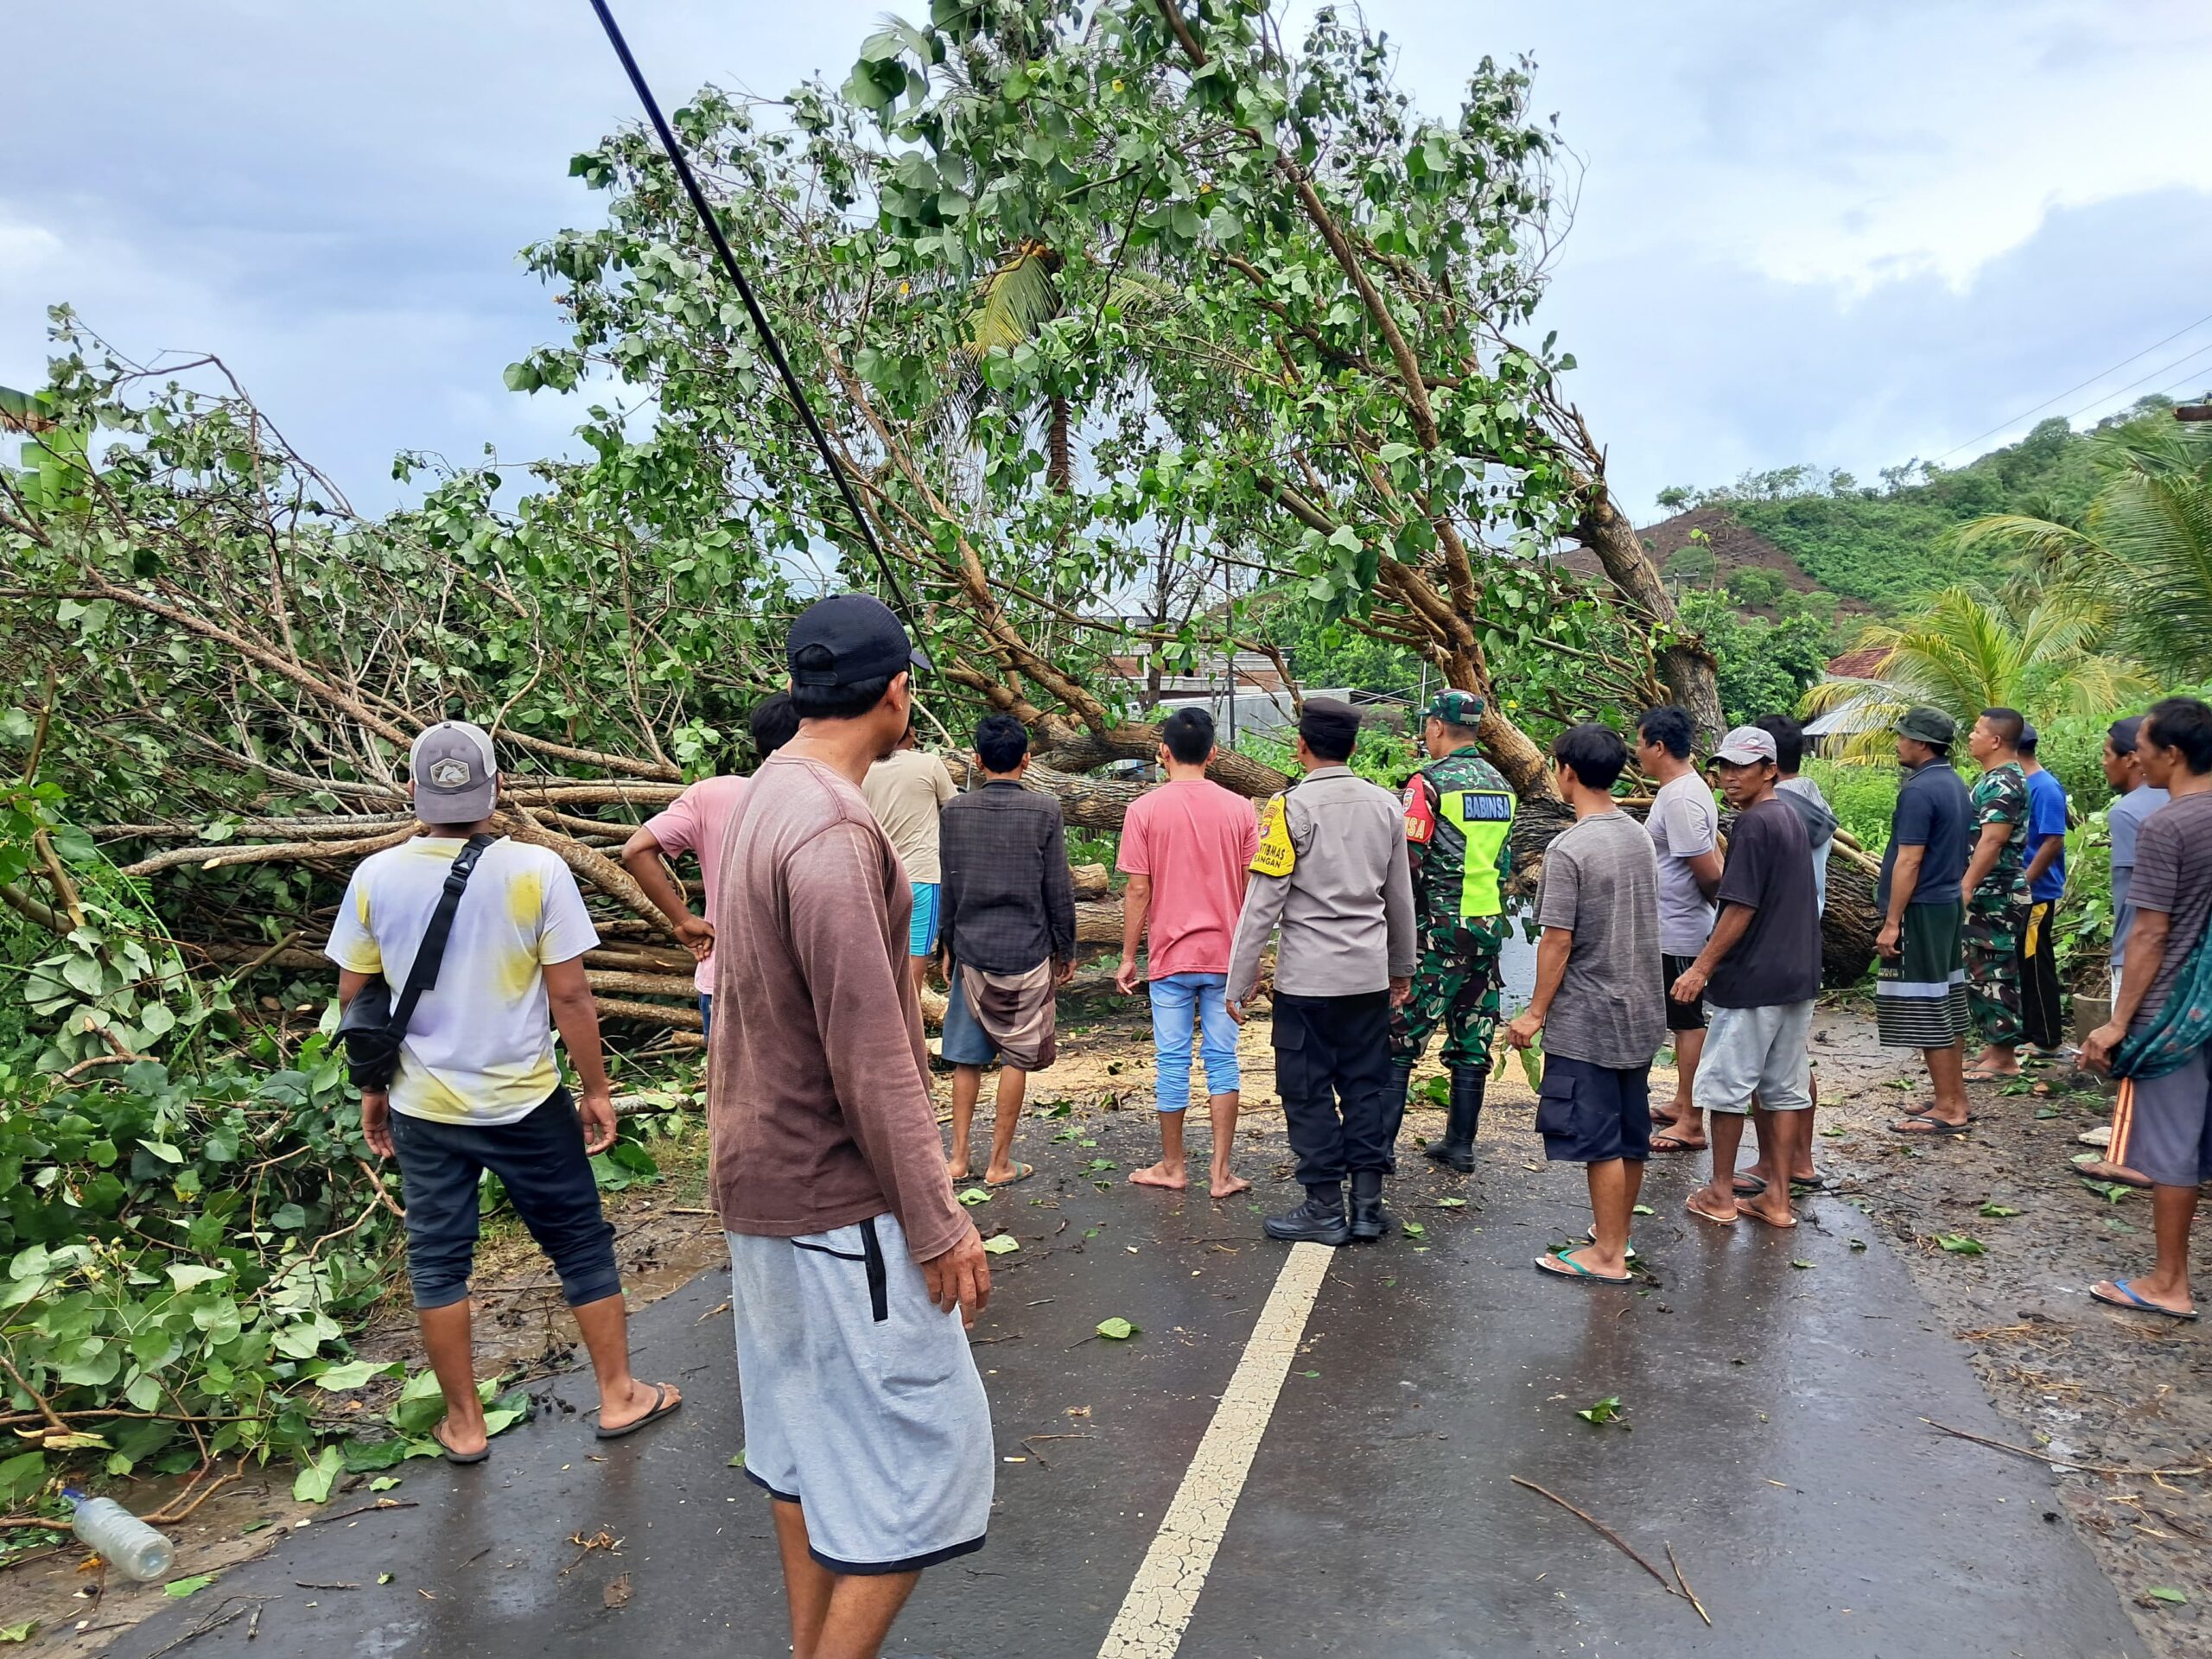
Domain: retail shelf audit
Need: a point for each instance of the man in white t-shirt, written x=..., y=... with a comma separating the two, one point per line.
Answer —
x=906, y=790
x=1685, y=827
x=478, y=1086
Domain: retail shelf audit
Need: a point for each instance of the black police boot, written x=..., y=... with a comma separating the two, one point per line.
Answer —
x=1457, y=1149
x=1369, y=1220
x=1320, y=1220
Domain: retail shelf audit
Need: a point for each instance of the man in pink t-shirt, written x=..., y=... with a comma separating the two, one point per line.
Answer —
x=1186, y=846
x=693, y=823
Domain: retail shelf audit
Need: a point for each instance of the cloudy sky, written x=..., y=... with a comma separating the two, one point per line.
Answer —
x=1848, y=233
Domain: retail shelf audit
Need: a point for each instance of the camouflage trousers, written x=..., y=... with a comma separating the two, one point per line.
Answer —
x=1455, y=985
x=1992, y=950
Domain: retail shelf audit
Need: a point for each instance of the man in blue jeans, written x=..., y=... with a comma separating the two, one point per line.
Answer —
x=1186, y=846
x=479, y=1085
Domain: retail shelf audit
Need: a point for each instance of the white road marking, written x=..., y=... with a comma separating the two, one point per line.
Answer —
x=1164, y=1592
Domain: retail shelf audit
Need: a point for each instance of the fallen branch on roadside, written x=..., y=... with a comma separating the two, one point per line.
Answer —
x=1618, y=1543
x=2068, y=1463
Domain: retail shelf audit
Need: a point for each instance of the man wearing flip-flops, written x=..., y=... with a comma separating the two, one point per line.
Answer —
x=2158, y=1041
x=1758, y=975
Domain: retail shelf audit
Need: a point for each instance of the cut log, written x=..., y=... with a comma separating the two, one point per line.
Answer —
x=1091, y=880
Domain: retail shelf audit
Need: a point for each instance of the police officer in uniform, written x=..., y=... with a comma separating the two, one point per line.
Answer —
x=1458, y=813
x=1332, y=871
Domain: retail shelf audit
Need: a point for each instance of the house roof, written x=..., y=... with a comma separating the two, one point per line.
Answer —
x=1863, y=664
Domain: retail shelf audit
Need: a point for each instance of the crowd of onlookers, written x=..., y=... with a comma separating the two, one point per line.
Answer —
x=849, y=867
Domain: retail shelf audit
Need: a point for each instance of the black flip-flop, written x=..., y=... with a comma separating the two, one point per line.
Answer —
x=452, y=1456
x=1929, y=1126
x=1928, y=1106
x=2133, y=1304
x=1757, y=1185
x=661, y=1406
x=1814, y=1186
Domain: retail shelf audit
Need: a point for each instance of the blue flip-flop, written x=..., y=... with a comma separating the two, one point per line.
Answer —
x=2134, y=1304
x=1561, y=1267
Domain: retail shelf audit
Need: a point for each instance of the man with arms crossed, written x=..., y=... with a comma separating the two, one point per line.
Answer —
x=2124, y=822
x=906, y=790
x=1186, y=848
x=1331, y=869
x=1685, y=831
x=693, y=823
x=1009, y=939
x=1760, y=972
x=1598, y=998
x=1920, y=996
x=1995, y=889
x=479, y=1086
x=852, y=1269
x=2161, y=1028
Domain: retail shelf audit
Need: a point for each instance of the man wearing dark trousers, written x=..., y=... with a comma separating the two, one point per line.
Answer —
x=2042, y=999
x=1458, y=813
x=1332, y=870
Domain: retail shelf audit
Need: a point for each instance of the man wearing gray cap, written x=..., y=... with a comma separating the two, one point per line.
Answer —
x=478, y=1085
x=1332, y=868
x=1760, y=973
x=1920, y=997
x=852, y=1268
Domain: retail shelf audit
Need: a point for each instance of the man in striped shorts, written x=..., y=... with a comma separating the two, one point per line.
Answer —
x=1921, y=998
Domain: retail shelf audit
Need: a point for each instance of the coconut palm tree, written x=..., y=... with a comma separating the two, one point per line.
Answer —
x=2144, y=548
x=1967, y=652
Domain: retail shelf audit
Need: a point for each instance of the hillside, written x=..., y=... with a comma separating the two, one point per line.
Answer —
x=1878, y=548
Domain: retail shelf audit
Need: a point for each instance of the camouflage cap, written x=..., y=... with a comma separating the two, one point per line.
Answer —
x=1455, y=708
x=1926, y=725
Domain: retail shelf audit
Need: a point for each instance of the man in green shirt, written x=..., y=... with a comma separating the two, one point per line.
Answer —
x=1458, y=815
x=1996, y=892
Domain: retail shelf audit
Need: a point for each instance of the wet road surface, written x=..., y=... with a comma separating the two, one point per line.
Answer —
x=1774, y=1439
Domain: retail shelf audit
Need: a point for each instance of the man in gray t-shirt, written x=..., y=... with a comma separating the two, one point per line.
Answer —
x=1598, y=998
x=1685, y=828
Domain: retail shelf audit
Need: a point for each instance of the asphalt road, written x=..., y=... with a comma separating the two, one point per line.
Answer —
x=1773, y=1436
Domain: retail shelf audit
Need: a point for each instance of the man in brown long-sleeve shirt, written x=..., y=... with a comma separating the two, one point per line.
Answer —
x=852, y=1269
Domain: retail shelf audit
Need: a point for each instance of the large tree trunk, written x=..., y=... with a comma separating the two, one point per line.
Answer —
x=1686, y=667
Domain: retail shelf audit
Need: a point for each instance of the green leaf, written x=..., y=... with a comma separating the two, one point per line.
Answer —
x=351, y=1373
x=178, y=1589
x=976, y=1195
x=2168, y=1594
x=1962, y=1244
x=1998, y=1211
x=1801, y=1264
x=21, y=1476
x=1001, y=1244
x=1413, y=1230
x=1392, y=454
x=21, y=1632
x=384, y=1482
x=1642, y=1209
x=738, y=1462
x=313, y=1483
x=1117, y=1330
x=522, y=377
x=288, y=1218
x=1607, y=1410
x=1451, y=1204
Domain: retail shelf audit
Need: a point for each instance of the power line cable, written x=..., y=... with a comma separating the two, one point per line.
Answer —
x=2131, y=386
x=768, y=340
x=2015, y=420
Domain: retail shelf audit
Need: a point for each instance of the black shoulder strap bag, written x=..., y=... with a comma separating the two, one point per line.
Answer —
x=371, y=1025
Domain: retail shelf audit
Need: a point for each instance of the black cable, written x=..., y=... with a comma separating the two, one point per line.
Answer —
x=768, y=339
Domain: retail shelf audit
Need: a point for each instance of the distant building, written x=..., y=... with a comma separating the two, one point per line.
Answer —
x=1861, y=667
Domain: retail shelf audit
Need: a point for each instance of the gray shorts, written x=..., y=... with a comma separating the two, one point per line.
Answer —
x=1762, y=1051
x=2163, y=1126
x=862, y=1401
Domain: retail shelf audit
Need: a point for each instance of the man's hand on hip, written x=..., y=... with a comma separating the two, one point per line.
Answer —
x=1402, y=988
x=375, y=1121
x=961, y=1278
x=598, y=1112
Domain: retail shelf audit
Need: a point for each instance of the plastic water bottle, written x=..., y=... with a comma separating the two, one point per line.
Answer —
x=116, y=1535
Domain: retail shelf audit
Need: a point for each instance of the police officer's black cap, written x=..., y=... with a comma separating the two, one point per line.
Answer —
x=1329, y=727
x=848, y=639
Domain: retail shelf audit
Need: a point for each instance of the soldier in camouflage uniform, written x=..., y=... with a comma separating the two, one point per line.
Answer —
x=1996, y=892
x=1459, y=812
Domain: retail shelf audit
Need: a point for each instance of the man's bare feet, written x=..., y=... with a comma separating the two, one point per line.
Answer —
x=461, y=1442
x=956, y=1168
x=2103, y=1169
x=1227, y=1184
x=643, y=1398
x=1161, y=1174
x=1766, y=1207
x=1714, y=1206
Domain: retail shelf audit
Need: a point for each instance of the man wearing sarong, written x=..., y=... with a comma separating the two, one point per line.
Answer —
x=1919, y=1001
x=1009, y=939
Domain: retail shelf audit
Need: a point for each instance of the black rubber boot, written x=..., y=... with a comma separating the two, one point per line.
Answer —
x=1457, y=1149
x=1394, y=1103
x=1320, y=1220
x=1369, y=1220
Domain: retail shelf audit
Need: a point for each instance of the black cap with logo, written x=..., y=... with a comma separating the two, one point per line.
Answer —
x=848, y=639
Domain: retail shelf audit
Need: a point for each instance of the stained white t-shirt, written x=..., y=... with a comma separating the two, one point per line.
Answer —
x=478, y=1048
x=1683, y=823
